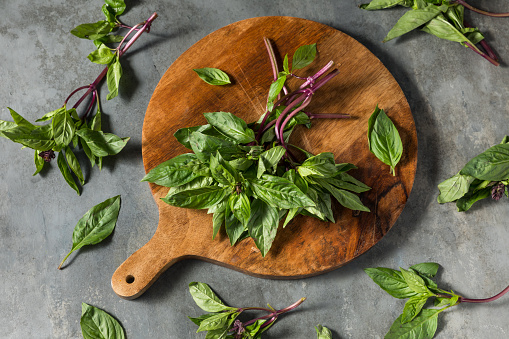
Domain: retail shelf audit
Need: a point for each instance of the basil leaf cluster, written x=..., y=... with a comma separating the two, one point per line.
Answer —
x=251, y=187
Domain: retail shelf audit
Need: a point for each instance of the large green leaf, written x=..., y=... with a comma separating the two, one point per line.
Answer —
x=412, y=307
x=197, y=198
x=423, y=326
x=92, y=31
x=74, y=164
x=414, y=281
x=465, y=203
x=172, y=172
x=102, y=144
x=320, y=165
x=345, y=198
x=206, y=299
x=384, y=140
x=279, y=192
x=428, y=269
x=411, y=20
x=382, y=4
x=230, y=125
x=263, y=225
x=303, y=56
x=240, y=206
x=96, y=225
x=492, y=164
x=113, y=77
x=454, y=188
x=20, y=121
x=97, y=324
x=391, y=281
x=204, y=145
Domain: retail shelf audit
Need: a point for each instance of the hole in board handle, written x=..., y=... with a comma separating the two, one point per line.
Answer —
x=129, y=279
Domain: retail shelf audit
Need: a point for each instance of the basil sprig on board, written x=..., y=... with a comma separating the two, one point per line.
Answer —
x=245, y=174
x=67, y=132
x=416, y=285
x=98, y=324
x=486, y=175
x=384, y=140
x=441, y=18
x=223, y=322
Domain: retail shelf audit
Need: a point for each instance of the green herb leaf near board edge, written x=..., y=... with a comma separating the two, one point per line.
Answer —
x=97, y=324
x=213, y=76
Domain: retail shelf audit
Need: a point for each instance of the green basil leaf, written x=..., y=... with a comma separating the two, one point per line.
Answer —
x=454, y=188
x=102, y=144
x=88, y=152
x=423, y=326
x=74, y=165
x=196, y=183
x=274, y=90
x=117, y=5
x=240, y=206
x=198, y=198
x=465, y=203
x=492, y=164
x=279, y=192
x=286, y=68
x=206, y=299
x=216, y=322
x=103, y=55
x=63, y=128
x=109, y=14
x=231, y=126
x=96, y=225
x=217, y=221
x=199, y=319
x=345, y=198
x=20, y=121
x=234, y=228
x=108, y=39
x=8, y=125
x=323, y=208
x=428, y=269
x=347, y=182
x=172, y=172
x=183, y=135
x=204, y=145
x=412, y=308
x=294, y=177
x=66, y=173
x=270, y=159
x=241, y=164
x=92, y=31
x=50, y=115
x=443, y=29
x=391, y=281
x=39, y=162
x=384, y=140
x=292, y=213
x=321, y=165
x=222, y=171
x=97, y=324
x=382, y=4
x=303, y=56
x=219, y=334
x=213, y=76
x=263, y=225
x=323, y=332
x=96, y=122
x=411, y=20
x=113, y=77
x=414, y=281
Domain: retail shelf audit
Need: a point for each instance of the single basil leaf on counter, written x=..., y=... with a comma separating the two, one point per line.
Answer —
x=103, y=55
x=382, y=4
x=39, y=162
x=217, y=322
x=63, y=128
x=411, y=20
x=172, y=172
x=240, y=206
x=391, y=281
x=274, y=90
x=303, y=56
x=74, y=165
x=423, y=326
x=233, y=226
x=443, y=29
x=412, y=308
x=197, y=198
x=269, y=160
x=113, y=77
x=204, y=145
x=263, y=225
x=206, y=299
x=92, y=31
x=97, y=324
x=279, y=192
x=213, y=76
x=465, y=203
x=66, y=173
x=492, y=164
x=96, y=225
x=101, y=144
x=230, y=125
x=384, y=140
x=454, y=188
x=428, y=269
x=323, y=332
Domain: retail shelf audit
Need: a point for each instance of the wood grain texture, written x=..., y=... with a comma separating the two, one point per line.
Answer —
x=306, y=246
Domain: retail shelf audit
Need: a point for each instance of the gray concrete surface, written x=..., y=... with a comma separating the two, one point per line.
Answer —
x=459, y=103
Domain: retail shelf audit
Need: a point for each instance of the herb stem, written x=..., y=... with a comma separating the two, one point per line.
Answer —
x=74, y=92
x=328, y=116
x=484, y=55
x=480, y=11
x=484, y=44
x=273, y=314
x=487, y=300
x=67, y=256
x=291, y=115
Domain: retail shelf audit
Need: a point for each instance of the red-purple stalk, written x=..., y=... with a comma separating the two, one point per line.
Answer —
x=273, y=314
x=480, y=11
x=486, y=300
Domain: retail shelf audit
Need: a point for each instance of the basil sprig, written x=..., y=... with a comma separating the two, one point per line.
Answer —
x=416, y=285
x=222, y=320
x=485, y=175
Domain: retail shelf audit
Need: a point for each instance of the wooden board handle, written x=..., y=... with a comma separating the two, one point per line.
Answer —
x=143, y=267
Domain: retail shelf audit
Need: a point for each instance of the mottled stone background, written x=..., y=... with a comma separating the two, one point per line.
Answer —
x=459, y=103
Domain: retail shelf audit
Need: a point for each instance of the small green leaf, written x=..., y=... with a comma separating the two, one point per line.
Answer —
x=233, y=226
x=216, y=322
x=39, y=162
x=263, y=225
x=275, y=89
x=97, y=324
x=428, y=269
x=63, y=128
x=321, y=165
x=414, y=281
x=323, y=332
x=240, y=206
x=66, y=173
x=423, y=326
x=492, y=164
x=279, y=192
x=103, y=55
x=213, y=76
x=222, y=171
x=269, y=160
x=303, y=56
x=454, y=188
x=197, y=198
x=382, y=4
x=117, y=5
x=199, y=319
x=286, y=68
x=108, y=39
x=412, y=307
x=230, y=125
x=465, y=203
x=74, y=164
x=172, y=172
x=102, y=144
x=96, y=225
x=50, y=115
x=113, y=77
x=92, y=31
x=206, y=299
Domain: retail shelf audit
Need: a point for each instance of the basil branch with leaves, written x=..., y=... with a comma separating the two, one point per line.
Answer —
x=222, y=322
x=485, y=175
x=247, y=176
x=442, y=18
x=416, y=283
x=68, y=131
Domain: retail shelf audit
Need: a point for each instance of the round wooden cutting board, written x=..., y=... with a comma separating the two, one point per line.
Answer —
x=306, y=247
